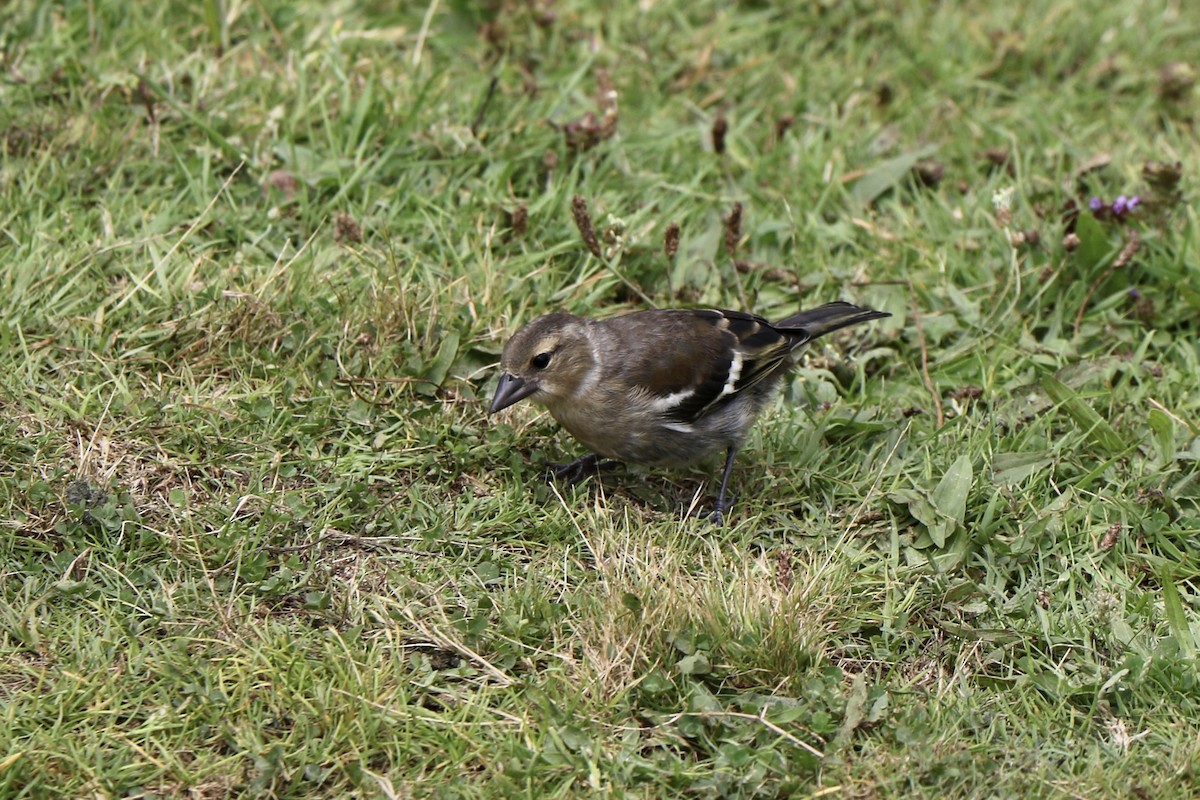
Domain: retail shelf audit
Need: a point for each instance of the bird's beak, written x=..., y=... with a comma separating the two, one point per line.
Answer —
x=509, y=390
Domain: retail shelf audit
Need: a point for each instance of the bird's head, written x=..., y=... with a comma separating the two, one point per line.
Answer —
x=547, y=360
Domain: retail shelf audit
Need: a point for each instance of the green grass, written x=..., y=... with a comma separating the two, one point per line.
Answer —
x=257, y=262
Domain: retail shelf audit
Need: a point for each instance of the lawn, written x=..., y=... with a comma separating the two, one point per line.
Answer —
x=261, y=538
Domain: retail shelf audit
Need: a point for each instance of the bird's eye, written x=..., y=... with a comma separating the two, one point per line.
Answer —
x=540, y=361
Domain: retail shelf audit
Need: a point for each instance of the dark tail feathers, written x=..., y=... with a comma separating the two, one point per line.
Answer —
x=827, y=319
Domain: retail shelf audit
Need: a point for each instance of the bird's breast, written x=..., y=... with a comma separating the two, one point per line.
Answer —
x=637, y=433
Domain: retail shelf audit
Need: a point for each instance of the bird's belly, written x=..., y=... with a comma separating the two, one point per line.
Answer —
x=652, y=440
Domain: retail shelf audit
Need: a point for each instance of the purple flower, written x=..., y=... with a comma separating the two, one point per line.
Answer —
x=1095, y=204
x=1124, y=205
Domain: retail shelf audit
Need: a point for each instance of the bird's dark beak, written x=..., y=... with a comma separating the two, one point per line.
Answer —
x=509, y=390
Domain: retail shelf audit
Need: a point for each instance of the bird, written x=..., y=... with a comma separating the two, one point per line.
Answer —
x=660, y=387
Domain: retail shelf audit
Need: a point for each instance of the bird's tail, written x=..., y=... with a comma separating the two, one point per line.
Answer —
x=827, y=319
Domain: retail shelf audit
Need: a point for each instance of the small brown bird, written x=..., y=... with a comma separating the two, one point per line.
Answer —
x=659, y=388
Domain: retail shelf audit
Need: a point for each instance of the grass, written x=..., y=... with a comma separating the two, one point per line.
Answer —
x=261, y=539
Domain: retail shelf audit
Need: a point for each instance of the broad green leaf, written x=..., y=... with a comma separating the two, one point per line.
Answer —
x=1085, y=417
x=695, y=664
x=924, y=512
x=1010, y=469
x=1177, y=618
x=1121, y=629
x=950, y=496
x=632, y=602
x=1094, y=245
x=943, y=511
x=991, y=635
x=436, y=372
x=1155, y=522
x=856, y=707
x=1189, y=295
x=886, y=175
x=1164, y=433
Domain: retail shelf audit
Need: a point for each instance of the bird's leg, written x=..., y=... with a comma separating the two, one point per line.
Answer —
x=579, y=469
x=717, y=517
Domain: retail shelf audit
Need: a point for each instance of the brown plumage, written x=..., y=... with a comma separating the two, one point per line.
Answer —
x=664, y=387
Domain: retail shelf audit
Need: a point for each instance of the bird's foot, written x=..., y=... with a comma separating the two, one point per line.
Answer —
x=724, y=501
x=717, y=515
x=579, y=470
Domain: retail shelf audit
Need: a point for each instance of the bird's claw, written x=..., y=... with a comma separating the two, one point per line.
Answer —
x=578, y=470
x=717, y=515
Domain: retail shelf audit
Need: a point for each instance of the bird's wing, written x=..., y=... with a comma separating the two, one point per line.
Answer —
x=691, y=361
